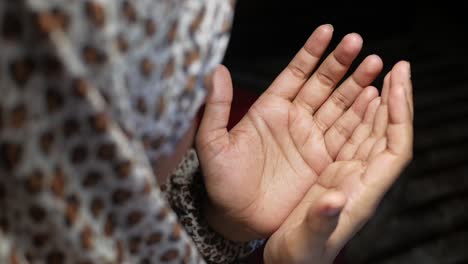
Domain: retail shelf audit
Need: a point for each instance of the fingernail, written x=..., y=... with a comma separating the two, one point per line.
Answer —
x=330, y=26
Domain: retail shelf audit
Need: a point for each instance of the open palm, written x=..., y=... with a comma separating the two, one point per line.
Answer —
x=258, y=172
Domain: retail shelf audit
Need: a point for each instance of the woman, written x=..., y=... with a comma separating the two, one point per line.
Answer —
x=97, y=99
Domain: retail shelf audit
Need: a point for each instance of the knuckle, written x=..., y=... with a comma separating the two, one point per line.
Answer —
x=321, y=125
x=342, y=130
x=340, y=100
x=325, y=79
x=297, y=71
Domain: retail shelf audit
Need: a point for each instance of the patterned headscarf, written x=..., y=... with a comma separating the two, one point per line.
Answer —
x=91, y=93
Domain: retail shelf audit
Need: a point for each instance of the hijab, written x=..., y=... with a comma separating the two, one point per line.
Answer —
x=92, y=93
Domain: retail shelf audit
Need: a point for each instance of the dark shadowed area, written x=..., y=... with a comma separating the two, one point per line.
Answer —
x=423, y=219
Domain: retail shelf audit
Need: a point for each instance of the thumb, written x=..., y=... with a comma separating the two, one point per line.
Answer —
x=320, y=222
x=212, y=134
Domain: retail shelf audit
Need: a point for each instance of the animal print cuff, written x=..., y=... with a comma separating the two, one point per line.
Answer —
x=185, y=192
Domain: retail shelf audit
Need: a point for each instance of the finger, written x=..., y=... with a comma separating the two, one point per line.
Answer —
x=307, y=242
x=400, y=130
x=379, y=146
x=409, y=94
x=289, y=82
x=381, y=118
x=341, y=131
x=379, y=129
x=213, y=133
x=361, y=133
x=318, y=88
x=343, y=97
x=386, y=88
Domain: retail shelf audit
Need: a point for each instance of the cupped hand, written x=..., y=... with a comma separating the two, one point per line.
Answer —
x=259, y=171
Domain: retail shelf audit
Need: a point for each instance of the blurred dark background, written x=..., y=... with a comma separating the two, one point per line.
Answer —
x=424, y=218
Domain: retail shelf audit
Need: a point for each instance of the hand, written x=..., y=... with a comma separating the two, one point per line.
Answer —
x=348, y=190
x=259, y=171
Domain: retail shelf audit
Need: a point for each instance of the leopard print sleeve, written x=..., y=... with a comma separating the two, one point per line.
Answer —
x=185, y=192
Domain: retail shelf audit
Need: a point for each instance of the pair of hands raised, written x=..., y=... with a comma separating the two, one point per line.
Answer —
x=310, y=161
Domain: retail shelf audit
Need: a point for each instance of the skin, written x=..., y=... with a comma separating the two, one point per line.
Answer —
x=349, y=190
x=311, y=159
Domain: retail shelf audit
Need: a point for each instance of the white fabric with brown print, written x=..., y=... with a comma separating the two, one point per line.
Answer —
x=93, y=91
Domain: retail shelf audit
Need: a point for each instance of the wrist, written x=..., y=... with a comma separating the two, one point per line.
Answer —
x=227, y=226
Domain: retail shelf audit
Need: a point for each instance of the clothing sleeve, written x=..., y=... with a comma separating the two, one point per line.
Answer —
x=92, y=91
x=185, y=192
